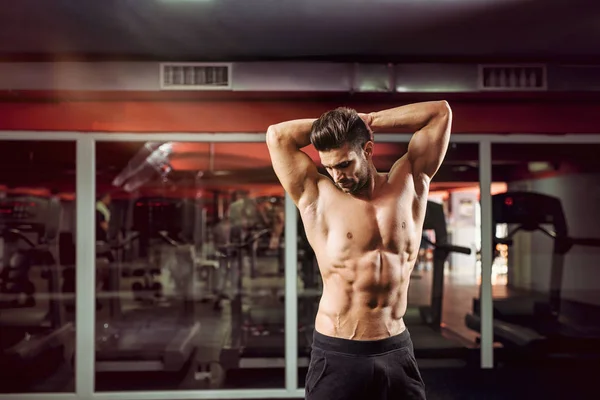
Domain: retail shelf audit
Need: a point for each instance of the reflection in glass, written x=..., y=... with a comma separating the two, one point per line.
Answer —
x=37, y=266
x=444, y=279
x=190, y=271
x=547, y=238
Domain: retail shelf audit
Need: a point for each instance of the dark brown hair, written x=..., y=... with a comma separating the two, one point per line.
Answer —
x=337, y=127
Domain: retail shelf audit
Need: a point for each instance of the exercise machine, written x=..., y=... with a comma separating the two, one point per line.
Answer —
x=241, y=348
x=530, y=212
x=425, y=322
x=31, y=336
x=538, y=322
x=156, y=338
x=257, y=337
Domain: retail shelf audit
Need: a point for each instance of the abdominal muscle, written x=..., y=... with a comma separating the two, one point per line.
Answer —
x=364, y=298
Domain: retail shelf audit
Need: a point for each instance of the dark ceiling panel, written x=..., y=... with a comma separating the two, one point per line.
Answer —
x=236, y=29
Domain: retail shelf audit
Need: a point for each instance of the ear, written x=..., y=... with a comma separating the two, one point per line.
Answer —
x=368, y=149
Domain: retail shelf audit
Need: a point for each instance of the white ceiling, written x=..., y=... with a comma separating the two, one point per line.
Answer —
x=271, y=29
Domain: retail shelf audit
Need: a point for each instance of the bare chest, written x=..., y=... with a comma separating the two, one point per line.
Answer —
x=353, y=228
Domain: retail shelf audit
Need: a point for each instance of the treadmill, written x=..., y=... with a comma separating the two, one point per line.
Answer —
x=263, y=329
x=30, y=337
x=256, y=339
x=425, y=323
x=529, y=321
x=256, y=335
x=529, y=212
x=155, y=338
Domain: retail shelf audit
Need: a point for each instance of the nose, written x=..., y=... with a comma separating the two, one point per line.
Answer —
x=338, y=175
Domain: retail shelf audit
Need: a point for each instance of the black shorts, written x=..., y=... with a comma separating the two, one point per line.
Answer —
x=366, y=370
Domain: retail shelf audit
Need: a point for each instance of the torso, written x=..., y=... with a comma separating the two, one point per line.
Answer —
x=366, y=250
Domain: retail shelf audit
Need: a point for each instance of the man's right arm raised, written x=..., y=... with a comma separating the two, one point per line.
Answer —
x=295, y=169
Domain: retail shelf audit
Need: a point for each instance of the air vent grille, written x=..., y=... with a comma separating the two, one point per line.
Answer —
x=194, y=76
x=512, y=77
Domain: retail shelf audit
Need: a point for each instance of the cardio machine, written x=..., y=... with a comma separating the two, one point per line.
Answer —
x=534, y=320
x=425, y=323
x=156, y=338
x=242, y=346
x=31, y=336
x=257, y=338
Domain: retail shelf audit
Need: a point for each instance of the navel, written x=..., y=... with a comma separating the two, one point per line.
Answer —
x=349, y=235
x=403, y=224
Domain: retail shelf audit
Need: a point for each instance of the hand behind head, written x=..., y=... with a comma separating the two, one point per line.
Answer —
x=367, y=119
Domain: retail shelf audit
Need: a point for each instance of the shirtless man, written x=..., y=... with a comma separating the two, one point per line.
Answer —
x=365, y=228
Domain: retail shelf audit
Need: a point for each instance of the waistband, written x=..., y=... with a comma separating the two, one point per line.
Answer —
x=362, y=347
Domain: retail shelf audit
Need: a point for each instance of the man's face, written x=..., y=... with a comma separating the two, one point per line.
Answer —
x=348, y=167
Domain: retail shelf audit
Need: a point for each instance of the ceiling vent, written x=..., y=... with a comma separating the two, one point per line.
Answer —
x=504, y=77
x=195, y=76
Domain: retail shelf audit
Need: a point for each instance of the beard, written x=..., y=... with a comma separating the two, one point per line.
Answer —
x=357, y=186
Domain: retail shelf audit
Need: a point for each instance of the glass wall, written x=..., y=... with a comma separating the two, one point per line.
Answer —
x=444, y=280
x=37, y=266
x=189, y=267
x=546, y=293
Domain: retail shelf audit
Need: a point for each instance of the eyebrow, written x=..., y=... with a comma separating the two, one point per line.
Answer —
x=337, y=165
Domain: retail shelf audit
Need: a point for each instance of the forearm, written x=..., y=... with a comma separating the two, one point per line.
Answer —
x=411, y=117
x=295, y=131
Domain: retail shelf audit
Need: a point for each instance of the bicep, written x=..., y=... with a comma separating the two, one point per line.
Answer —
x=295, y=170
x=427, y=148
x=425, y=154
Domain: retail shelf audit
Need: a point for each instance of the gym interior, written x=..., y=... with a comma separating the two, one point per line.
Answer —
x=148, y=250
